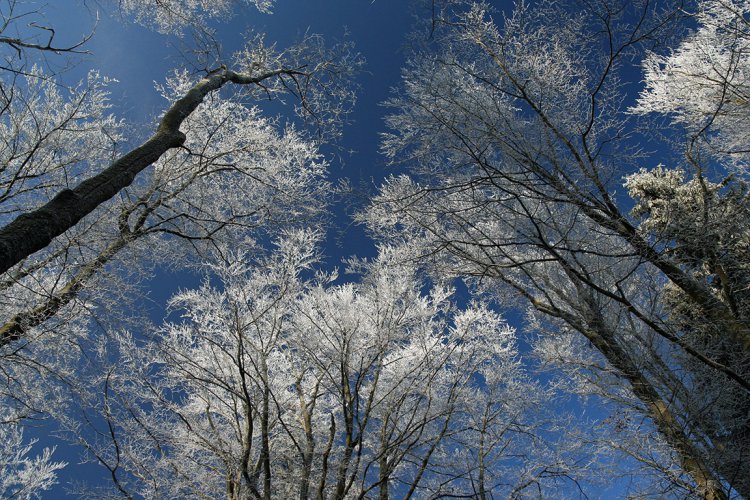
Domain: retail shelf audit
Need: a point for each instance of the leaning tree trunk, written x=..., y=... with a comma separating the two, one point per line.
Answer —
x=594, y=327
x=33, y=231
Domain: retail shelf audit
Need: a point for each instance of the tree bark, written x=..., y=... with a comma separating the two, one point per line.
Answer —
x=600, y=335
x=33, y=231
x=18, y=325
x=326, y=454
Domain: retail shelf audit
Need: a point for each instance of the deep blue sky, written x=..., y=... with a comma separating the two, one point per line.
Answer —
x=137, y=57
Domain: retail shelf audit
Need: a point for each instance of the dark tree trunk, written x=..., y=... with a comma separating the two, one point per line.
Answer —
x=33, y=231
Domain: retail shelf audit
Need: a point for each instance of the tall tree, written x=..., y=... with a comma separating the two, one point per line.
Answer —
x=35, y=230
x=225, y=177
x=519, y=135
x=277, y=386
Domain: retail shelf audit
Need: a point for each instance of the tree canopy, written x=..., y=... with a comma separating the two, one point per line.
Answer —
x=557, y=304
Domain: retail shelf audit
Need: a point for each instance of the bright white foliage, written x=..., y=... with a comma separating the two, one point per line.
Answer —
x=291, y=386
x=704, y=83
x=173, y=16
x=50, y=138
x=276, y=382
x=23, y=477
x=238, y=176
x=237, y=172
x=517, y=139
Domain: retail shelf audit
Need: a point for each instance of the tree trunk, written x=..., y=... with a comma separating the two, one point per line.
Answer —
x=691, y=458
x=326, y=454
x=33, y=231
x=19, y=324
x=307, y=454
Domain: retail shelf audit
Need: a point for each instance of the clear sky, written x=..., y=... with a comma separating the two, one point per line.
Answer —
x=137, y=57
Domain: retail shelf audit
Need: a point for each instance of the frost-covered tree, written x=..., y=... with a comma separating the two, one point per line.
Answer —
x=278, y=384
x=33, y=231
x=707, y=226
x=315, y=75
x=704, y=83
x=223, y=182
x=227, y=178
x=175, y=16
x=21, y=476
x=519, y=138
x=235, y=174
x=238, y=177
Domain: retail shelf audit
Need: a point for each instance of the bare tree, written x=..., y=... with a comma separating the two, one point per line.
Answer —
x=22, y=476
x=223, y=181
x=33, y=231
x=519, y=139
x=225, y=176
x=276, y=386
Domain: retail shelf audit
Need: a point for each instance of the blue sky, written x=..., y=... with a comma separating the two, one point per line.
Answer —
x=137, y=57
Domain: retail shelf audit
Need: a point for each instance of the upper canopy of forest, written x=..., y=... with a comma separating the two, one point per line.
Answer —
x=579, y=167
